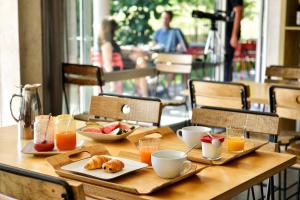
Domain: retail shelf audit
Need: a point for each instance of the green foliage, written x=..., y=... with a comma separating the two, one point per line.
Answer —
x=135, y=15
x=249, y=7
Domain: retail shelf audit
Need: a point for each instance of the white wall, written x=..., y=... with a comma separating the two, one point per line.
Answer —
x=271, y=37
x=9, y=57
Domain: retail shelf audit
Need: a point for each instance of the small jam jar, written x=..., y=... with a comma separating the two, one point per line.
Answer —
x=43, y=136
x=212, y=147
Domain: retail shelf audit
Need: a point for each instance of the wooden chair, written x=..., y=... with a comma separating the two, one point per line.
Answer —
x=283, y=74
x=82, y=75
x=117, y=107
x=285, y=101
x=254, y=122
x=22, y=184
x=172, y=64
x=218, y=94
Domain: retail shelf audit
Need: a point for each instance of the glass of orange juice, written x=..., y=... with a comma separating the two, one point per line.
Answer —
x=235, y=139
x=65, y=132
x=146, y=147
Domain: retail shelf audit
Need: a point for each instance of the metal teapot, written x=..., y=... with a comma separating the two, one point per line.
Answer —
x=29, y=108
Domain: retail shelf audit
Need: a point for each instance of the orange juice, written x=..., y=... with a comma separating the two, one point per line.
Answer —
x=66, y=140
x=146, y=147
x=235, y=143
x=145, y=155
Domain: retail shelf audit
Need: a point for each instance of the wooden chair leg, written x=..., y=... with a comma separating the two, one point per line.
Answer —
x=298, y=186
x=156, y=85
x=66, y=99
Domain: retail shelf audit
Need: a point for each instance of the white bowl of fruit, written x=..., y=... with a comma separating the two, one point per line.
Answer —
x=106, y=132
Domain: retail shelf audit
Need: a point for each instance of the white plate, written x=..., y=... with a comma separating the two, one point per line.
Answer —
x=129, y=166
x=29, y=149
x=104, y=137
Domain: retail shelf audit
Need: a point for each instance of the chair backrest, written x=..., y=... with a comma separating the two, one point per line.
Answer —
x=22, y=184
x=82, y=74
x=174, y=63
x=255, y=122
x=218, y=94
x=285, y=101
x=283, y=74
x=127, y=108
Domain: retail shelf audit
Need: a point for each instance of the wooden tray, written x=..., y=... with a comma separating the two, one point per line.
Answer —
x=169, y=140
x=143, y=181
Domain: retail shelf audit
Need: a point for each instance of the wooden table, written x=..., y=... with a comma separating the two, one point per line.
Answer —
x=214, y=182
x=259, y=92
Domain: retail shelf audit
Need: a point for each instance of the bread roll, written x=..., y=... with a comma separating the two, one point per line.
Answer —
x=96, y=162
x=113, y=166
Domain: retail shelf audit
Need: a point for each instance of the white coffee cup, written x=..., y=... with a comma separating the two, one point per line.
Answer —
x=170, y=163
x=191, y=135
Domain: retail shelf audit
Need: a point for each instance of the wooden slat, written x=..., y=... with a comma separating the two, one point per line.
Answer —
x=174, y=58
x=174, y=68
x=80, y=69
x=129, y=74
x=288, y=113
x=218, y=94
x=283, y=72
x=257, y=123
x=215, y=89
x=79, y=81
x=288, y=98
x=219, y=102
x=82, y=74
x=287, y=102
x=174, y=63
x=140, y=110
x=21, y=187
x=292, y=82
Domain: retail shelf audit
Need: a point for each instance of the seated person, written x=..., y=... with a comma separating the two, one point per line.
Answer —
x=112, y=58
x=169, y=39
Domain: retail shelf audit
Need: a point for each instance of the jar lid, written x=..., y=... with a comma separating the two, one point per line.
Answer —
x=208, y=139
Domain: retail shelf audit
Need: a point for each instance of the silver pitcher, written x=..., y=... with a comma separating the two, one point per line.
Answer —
x=29, y=108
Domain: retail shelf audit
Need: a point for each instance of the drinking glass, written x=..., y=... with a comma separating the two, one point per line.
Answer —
x=65, y=131
x=146, y=147
x=235, y=139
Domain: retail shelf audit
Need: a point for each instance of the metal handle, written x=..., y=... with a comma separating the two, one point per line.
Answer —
x=11, y=112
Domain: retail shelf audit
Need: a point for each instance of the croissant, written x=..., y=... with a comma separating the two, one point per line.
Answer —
x=113, y=166
x=96, y=162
